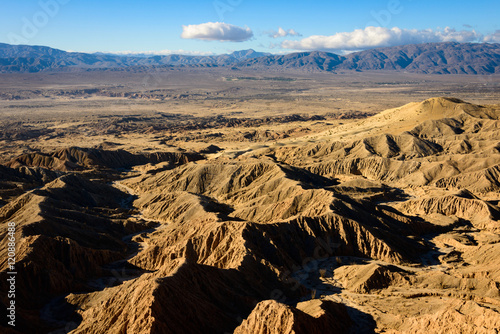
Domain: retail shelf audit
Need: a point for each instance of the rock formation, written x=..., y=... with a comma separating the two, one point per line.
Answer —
x=387, y=224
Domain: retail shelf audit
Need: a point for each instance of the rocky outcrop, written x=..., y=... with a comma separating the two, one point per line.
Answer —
x=15, y=181
x=394, y=228
x=211, y=300
x=459, y=317
x=65, y=232
x=365, y=278
x=315, y=316
x=436, y=151
x=78, y=159
x=463, y=205
x=481, y=181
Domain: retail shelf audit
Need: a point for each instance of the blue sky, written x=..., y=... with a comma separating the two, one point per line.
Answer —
x=220, y=26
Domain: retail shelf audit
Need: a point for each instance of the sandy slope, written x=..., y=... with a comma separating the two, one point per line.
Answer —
x=386, y=224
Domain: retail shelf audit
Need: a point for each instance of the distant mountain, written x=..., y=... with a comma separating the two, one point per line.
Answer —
x=25, y=58
x=248, y=54
x=437, y=58
x=186, y=59
x=28, y=51
x=309, y=61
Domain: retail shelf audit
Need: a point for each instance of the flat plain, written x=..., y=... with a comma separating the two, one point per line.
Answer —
x=213, y=200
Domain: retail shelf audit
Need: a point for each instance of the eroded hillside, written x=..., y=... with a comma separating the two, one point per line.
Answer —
x=387, y=224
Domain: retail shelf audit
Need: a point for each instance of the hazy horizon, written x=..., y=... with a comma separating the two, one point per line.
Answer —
x=223, y=26
x=147, y=54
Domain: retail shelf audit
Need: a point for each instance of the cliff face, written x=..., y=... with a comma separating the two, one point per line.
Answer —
x=80, y=159
x=66, y=231
x=313, y=316
x=191, y=298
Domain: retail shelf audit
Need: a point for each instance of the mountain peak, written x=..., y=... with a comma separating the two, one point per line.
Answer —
x=427, y=58
x=247, y=54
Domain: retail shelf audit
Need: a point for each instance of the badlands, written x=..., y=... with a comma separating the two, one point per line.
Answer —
x=256, y=203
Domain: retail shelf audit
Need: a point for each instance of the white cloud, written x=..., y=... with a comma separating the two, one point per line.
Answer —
x=372, y=37
x=493, y=38
x=282, y=33
x=216, y=31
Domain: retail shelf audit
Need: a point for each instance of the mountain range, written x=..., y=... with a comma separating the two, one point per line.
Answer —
x=429, y=58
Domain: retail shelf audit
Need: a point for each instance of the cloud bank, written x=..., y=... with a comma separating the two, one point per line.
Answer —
x=372, y=37
x=282, y=33
x=493, y=38
x=216, y=31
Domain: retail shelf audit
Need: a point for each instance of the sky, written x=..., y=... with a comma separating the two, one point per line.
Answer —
x=222, y=26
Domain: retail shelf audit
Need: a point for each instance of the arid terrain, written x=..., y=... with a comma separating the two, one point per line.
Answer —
x=180, y=200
